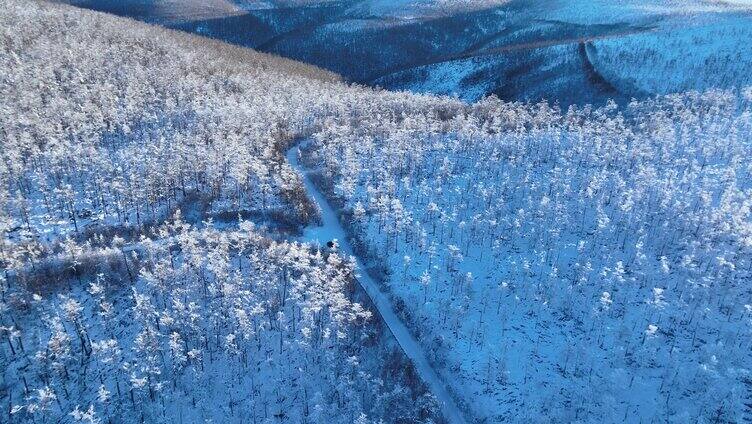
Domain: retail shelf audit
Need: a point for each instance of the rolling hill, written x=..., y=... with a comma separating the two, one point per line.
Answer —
x=526, y=50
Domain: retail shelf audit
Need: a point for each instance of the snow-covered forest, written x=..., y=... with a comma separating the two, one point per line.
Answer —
x=583, y=264
x=134, y=289
x=587, y=264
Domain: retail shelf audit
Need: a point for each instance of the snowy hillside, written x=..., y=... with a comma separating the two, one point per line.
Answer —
x=169, y=204
x=580, y=266
x=133, y=287
x=515, y=49
x=605, y=11
x=711, y=53
x=168, y=11
x=421, y=9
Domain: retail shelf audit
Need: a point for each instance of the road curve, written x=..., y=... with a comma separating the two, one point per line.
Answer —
x=332, y=229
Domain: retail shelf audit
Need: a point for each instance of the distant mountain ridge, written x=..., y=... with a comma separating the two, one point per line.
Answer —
x=519, y=50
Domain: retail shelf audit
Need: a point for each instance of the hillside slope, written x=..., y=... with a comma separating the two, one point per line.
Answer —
x=578, y=266
x=528, y=50
x=134, y=286
x=559, y=265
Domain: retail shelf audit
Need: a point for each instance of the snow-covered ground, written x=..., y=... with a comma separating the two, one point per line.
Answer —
x=168, y=11
x=330, y=230
x=212, y=329
x=605, y=11
x=419, y=41
x=700, y=53
x=422, y=9
x=537, y=264
x=111, y=310
x=581, y=267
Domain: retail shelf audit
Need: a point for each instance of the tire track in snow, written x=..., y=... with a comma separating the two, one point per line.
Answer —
x=332, y=229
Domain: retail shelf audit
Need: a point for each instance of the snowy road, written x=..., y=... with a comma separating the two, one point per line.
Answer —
x=332, y=229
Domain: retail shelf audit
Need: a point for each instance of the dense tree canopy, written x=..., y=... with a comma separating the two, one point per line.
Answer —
x=562, y=265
